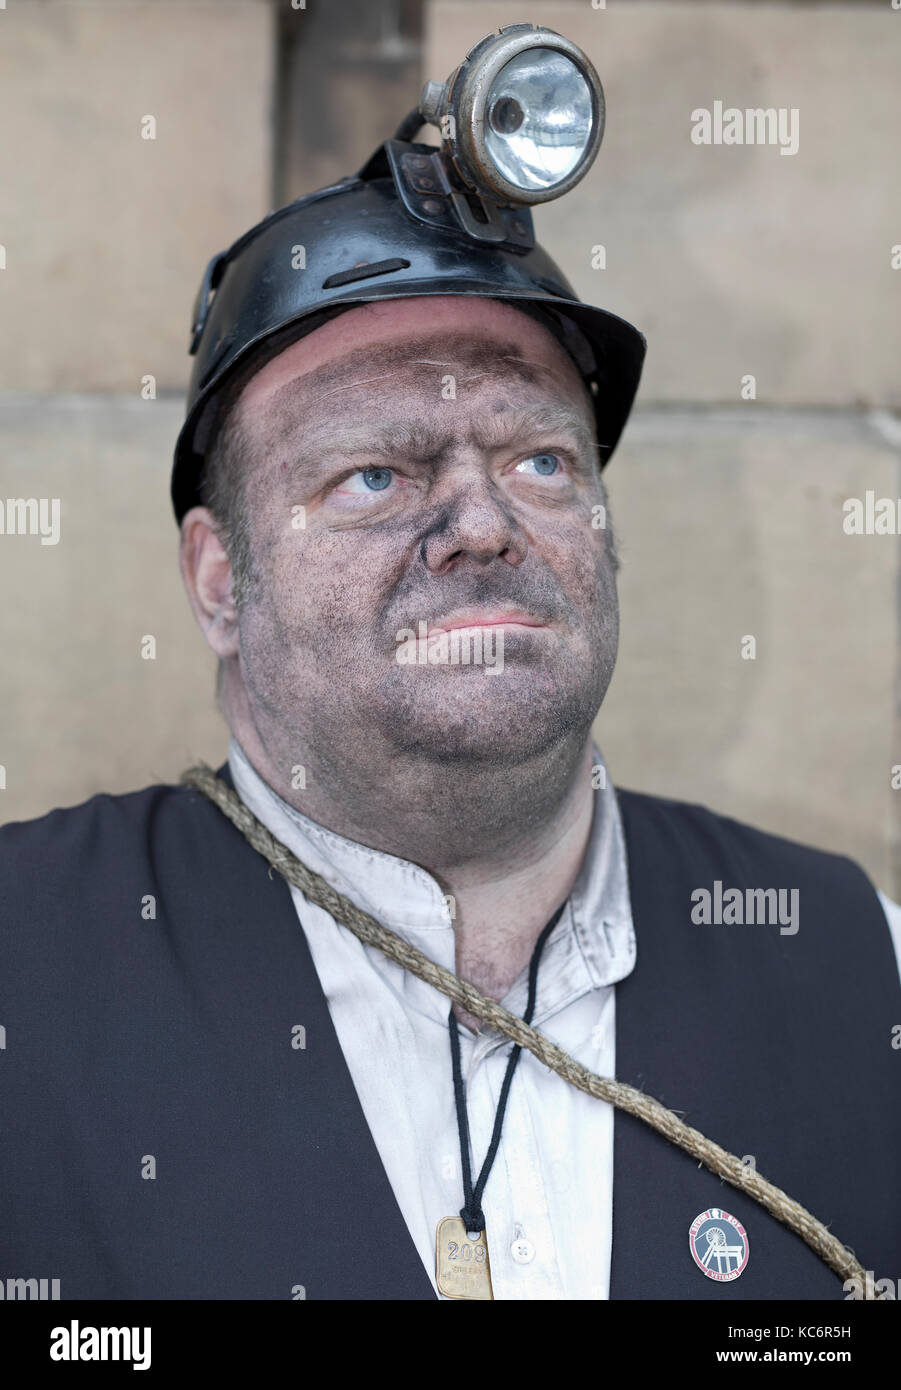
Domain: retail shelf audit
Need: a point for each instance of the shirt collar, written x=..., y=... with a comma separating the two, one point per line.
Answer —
x=592, y=945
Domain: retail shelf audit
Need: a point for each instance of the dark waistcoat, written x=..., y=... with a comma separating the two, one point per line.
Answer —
x=164, y=1136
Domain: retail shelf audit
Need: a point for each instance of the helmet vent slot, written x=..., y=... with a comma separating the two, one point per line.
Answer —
x=365, y=271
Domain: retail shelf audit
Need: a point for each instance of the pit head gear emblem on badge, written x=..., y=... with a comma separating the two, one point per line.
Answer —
x=719, y=1245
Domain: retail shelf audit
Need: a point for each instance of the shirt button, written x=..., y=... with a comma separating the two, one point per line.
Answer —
x=523, y=1251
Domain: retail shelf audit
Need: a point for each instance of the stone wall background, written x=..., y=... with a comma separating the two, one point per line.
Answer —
x=733, y=260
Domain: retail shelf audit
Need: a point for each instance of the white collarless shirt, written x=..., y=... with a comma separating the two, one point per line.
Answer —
x=548, y=1202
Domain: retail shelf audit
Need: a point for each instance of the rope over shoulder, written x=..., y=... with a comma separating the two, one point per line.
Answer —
x=626, y=1098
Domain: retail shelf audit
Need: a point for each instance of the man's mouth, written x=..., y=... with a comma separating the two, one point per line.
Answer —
x=484, y=617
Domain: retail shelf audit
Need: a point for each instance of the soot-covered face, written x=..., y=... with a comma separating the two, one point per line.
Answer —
x=432, y=575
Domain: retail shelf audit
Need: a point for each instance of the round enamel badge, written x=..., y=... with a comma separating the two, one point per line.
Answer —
x=719, y=1245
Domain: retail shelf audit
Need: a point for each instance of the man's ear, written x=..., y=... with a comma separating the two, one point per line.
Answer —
x=207, y=573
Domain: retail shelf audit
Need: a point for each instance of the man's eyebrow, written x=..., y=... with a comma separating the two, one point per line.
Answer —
x=497, y=430
x=336, y=441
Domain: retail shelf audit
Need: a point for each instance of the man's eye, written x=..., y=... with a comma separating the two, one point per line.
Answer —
x=540, y=465
x=367, y=480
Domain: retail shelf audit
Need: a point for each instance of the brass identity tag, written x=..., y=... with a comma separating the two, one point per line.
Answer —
x=462, y=1269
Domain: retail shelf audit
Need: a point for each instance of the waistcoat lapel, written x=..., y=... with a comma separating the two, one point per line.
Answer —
x=324, y=1205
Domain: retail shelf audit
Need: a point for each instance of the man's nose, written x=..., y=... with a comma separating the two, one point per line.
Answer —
x=474, y=522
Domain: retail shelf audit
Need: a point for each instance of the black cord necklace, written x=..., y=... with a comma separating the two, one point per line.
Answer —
x=462, y=1248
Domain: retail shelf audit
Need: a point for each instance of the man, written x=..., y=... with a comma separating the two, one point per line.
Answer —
x=217, y=1091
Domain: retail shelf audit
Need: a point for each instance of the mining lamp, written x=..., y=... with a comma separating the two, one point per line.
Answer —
x=522, y=117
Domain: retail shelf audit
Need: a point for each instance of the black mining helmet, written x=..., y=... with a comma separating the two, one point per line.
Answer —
x=521, y=120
